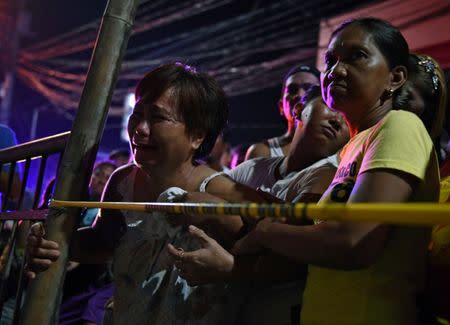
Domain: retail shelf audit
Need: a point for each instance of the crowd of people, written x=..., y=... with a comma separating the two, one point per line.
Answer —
x=368, y=128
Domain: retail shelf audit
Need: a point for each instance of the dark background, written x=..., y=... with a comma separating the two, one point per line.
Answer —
x=253, y=116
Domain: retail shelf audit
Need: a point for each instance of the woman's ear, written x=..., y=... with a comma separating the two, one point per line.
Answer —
x=399, y=75
x=197, y=140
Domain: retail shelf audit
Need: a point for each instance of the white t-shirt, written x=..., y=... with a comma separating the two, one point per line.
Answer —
x=260, y=173
x=268, y=303
x=257, y=172
x=295, y=184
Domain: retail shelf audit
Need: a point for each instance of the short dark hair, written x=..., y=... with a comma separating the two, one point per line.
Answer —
x=428, y=77
x=200, y=101
x=388, y=39
x=226, y=134
x=301, y=68
x=103, y=164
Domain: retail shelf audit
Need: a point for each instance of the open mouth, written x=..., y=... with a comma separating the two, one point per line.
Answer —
x=137, y=146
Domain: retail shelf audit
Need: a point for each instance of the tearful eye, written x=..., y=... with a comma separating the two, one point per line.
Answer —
x=158, y=117
x=358, y=55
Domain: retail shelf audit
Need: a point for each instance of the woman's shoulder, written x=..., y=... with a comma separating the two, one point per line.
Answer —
x=206, y=176
x=260, y=149
x=402, y=126
x=121, y=179
x=123, y=172
x=204, y=172
x=404, y=118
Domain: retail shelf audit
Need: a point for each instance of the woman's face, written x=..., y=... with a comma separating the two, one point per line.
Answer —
x=416, y=99
x=325, y=129
x=356, y=73
x=158, y=135
x=99, y=178
x=294, y=88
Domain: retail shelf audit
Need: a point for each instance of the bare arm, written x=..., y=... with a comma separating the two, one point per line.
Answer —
x=231, y=191
x=336, y=244
x=257, y=150
x=225, y=228
x=96, y=244
x=212, y=263
x=92, y=245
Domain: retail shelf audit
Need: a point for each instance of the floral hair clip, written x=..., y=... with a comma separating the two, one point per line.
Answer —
x=430, y=67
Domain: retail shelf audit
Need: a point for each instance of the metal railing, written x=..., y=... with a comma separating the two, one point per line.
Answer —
x=14, y=189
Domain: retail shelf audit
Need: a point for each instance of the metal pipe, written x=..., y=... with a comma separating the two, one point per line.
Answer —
x=10, y=247
x=19, y=236
x=40, y=180
x=52, y=144
x=24, y=183
x=7, y=194
x=44, y=293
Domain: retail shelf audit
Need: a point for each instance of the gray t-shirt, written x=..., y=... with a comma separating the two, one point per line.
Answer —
x=148, y=287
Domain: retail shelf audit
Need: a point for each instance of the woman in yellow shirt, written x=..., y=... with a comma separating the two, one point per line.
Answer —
x=359, y=273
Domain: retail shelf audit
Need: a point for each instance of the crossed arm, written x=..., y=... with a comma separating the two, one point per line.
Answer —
x=331, y=244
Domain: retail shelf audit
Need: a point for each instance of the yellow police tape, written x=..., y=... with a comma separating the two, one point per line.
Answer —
x=394, y=213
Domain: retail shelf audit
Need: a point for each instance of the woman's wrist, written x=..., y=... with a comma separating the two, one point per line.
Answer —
x=261, y=234
x=228, y=266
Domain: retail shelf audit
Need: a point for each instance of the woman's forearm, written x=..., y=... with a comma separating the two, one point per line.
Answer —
x=329, y=244
x=265, y=267
x=86, y=246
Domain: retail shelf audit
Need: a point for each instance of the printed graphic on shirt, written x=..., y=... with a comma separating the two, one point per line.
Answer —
x=343, y=183
x=346, y=171
x=341, y=191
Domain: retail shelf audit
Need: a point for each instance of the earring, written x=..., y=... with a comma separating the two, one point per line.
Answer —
x=388, y=93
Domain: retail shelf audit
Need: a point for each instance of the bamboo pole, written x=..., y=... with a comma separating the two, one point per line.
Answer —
x=393, y=213
x=44, y=293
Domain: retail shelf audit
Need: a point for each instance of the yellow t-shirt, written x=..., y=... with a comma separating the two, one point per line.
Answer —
x=445, y=190
x=440, y=238
x=384, y=293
